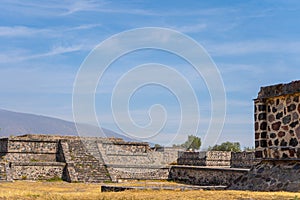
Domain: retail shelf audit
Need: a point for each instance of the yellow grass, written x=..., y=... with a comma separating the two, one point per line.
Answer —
x=71, y=191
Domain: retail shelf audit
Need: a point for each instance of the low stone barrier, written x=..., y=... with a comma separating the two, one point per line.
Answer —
x=270, y=176
x=205, y=176
x=134, y=172
x=115, y=188
x=218, y=158
x=243, y=159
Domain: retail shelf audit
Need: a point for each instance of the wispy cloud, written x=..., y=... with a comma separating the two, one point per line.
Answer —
x=25, y=31
x=13, y=31
x=195, y=28
x=252, y=47
x=19, y=55
x=82, y=5
x=65, y=8
x=82, y=27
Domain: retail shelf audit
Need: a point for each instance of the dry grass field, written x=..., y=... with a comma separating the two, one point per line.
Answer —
x=71, y=191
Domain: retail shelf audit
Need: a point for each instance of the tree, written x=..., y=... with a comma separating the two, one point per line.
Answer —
x=227, y=146
x=157, y=146
x=249, y=149
x=193, y=142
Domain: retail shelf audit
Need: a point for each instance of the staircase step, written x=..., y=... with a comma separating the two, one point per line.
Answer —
x=88, y=164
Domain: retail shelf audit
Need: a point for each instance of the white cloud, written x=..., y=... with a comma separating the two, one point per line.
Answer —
x=82, y=5
x=191, y=28
x=25, y=31
x=19, y=55
x=13, y=31
x=252, y=47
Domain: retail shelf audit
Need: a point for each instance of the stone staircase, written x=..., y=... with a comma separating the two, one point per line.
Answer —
x=92, y=147
x=88, y=163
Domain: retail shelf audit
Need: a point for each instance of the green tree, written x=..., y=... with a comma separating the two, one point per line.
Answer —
x=193, y=142
x=249, y=149
x=227, y=146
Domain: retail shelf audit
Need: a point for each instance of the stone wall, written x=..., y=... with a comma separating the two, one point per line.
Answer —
x=76, y=159
x=23, y=146
x=3, y=145
x=3, y=175
x=218, y=158
x=30, y=157
x=36, y=171
x=135, y=160
x=270, y=175
x=205, y=176
x=243, y=160
x=277, y=127
x=126, y=148
x=138, y=173
x=191, y=158
x=22, y=149
x=277, y=137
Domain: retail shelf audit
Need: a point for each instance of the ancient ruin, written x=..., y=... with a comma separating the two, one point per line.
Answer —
x=90, y=159
x=75, y=159
x=277, y=140
x=275, y=164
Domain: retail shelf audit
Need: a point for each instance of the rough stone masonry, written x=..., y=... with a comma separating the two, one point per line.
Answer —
x=277, y=140
x=76, y=159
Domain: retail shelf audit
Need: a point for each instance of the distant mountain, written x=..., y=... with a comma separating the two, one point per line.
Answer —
x=15, y=123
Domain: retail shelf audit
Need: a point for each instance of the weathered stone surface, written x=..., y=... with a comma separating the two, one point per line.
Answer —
x=276, y=126
x=281, y=134
x=291, y=107
x=279, y=169
x=262, y=107
x=263, y=126
x=207, y=158
x=270, y=176
x=205, y=176
x=263, y=135
x=138, y=172
x=298, y=132
x=287, y=119
x=279, y=115
x=82, y=159
x=243, y=159
x=36, y=170
x=271, y=118
x=272, y=135
x=256, y=126
x=293, y=142
x=262, y=116
x=279, y=90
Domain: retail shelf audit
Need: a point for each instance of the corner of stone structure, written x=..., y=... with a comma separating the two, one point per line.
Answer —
x=277, y=140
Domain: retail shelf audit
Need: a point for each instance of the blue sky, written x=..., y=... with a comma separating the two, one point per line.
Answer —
x=253, y=43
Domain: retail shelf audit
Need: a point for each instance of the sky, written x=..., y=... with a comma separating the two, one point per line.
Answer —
x=43, y=45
